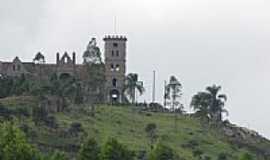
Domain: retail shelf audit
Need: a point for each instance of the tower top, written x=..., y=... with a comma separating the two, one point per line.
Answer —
x=115, y=37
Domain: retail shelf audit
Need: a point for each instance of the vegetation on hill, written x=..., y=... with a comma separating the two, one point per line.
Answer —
x=131, y=126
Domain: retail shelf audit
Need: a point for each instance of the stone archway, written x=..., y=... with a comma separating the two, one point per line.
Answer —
x=115, y=96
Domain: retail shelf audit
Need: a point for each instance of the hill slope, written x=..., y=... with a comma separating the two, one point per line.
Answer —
x=66, y=130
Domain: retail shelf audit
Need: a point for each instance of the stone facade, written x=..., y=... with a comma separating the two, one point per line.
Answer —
x=115, y=67
x=115, y=63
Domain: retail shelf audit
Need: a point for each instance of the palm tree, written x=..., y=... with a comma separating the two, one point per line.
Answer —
x=210, y=103
x=131, y=85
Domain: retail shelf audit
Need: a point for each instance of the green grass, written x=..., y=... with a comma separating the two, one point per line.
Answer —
x=127, y=124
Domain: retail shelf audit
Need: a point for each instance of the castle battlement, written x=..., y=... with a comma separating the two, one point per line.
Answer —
x=115, y=37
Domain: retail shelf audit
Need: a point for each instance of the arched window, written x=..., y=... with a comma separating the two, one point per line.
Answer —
x=117, y=68
x=112, y=67
x=114, y=82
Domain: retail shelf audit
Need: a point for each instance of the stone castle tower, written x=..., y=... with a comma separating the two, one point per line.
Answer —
x=115, y=64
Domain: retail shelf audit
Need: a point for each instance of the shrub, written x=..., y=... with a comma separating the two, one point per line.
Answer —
x=222, y=156
x=13, y=144
x=113, y=150
x=197, y=153
x=75, y=128
x=89, y=150
x=51, y=121
x=246, y=156
x=162, y=152
x=57, y=156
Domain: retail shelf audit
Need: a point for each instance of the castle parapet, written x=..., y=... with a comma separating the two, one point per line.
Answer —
x=115, y=37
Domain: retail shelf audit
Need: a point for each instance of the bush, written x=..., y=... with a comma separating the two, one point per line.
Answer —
x=197, y=153
x=156, y=107
x=89, y=150
x=57, y=156
x=51, y=122
x=192, y=144
x=13, y=145
x=222, y=156
x=246, y=156
x=162, y=152
x=75, y=128
x=5, y=112
x=113, y=150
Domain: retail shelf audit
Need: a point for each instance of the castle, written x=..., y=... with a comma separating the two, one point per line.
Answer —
x=115, y=66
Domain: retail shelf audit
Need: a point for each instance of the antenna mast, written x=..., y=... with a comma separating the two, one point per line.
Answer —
x=115, y=25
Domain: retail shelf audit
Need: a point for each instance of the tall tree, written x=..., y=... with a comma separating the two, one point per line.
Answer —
x=39, y=58
x=95, y=74
x=131, y=85
x=210, y=103
x=92, y=55
x=173, y=94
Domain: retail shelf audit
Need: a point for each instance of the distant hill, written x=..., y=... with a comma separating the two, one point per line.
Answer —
x=192, y=139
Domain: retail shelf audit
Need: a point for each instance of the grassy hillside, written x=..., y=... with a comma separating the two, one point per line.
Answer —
x=125, y=123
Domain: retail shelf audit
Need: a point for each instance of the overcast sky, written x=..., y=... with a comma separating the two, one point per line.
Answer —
x=202, y=42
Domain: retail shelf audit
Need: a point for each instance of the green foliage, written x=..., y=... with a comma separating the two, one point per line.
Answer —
x=89, y=150
x=13, y=145
x=129, y=128
x=163, y=152
x=5, y=85
x=57, y=156
x=222, y=156
x=210, y=104
x=131, y=85
x=14, y=86
x=113, y=150
x=246, y=156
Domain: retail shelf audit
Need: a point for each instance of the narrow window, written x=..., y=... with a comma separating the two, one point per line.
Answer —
x=114, y=82
x=19, y=67
x=117, y=53
x=112, y=53
x=14, y=67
